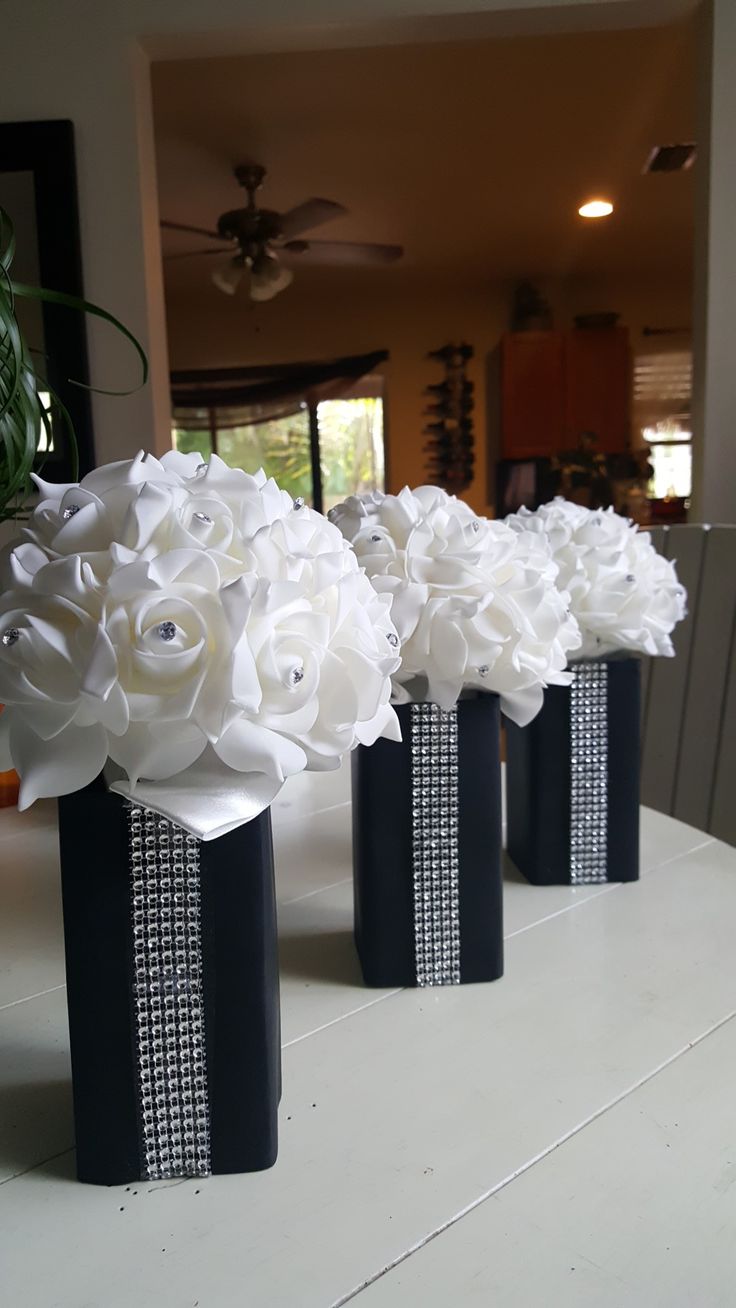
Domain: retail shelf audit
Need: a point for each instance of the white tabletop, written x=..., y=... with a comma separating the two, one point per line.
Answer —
x=564, y=1136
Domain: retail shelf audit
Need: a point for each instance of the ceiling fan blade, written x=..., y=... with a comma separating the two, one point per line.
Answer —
x=349, y=253
x=312, y=213
x=184, y=227
x=194, y=254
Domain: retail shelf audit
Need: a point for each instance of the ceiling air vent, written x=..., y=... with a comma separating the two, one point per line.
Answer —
x=670, y=158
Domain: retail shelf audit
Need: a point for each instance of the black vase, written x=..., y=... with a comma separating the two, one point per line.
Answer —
x=172, y=986
x=427, y=848
x=572, y=779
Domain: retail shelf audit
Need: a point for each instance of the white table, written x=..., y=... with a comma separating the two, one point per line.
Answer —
x=565, y=1136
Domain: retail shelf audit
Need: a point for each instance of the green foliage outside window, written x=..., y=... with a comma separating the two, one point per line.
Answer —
x=351, y=447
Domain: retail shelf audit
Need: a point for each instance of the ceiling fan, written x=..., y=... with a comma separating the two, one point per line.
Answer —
x=264, y=242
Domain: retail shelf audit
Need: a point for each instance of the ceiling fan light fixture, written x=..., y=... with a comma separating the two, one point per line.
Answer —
x=268, y=277
x=228, y=277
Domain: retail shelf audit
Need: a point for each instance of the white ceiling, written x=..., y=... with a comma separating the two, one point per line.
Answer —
x=472, y=155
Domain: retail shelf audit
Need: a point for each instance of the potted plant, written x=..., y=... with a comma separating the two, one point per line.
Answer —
x=26, y=422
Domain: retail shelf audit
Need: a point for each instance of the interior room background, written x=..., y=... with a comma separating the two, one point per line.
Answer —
x=474, y=156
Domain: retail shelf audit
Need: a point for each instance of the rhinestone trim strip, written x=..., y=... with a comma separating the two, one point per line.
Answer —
x=168, y=997
x=589, y=774
x=434, y=770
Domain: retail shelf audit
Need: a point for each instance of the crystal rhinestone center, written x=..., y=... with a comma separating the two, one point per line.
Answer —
x=168, y=997
x=393, y=640
x=298, y=502
x=589, y=774
x=297, y=675
x=435, y=850
x=483, y=670
x=10, y=636
x=70, y=511
x=166, y=630
x=203, y=517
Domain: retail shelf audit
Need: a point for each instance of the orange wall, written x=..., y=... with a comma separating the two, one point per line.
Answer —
x=305, y=323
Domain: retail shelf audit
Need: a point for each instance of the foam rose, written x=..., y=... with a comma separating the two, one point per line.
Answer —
x=623, y=593
x=475, y=606
x=173, y=616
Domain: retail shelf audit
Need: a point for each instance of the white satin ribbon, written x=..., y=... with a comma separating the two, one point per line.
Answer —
x=208, y=799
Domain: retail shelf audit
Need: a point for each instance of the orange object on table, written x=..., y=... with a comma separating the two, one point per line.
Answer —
x=9, y=787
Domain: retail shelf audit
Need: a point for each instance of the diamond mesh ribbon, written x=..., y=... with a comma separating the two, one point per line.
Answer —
x=434, y=771
x=168, y=996
x=589, y=774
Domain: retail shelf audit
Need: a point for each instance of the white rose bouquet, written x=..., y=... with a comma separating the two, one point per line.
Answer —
x=475, y=604
x=623, y=593
x=194, y=626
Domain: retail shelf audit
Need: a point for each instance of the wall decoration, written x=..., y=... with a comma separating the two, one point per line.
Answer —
x=450, y=426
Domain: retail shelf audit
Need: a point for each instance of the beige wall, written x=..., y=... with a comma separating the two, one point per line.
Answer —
x=88, y=62
x=714, y=498
x=306, y=324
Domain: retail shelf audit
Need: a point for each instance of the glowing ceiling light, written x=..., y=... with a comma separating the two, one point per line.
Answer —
x=595, y=209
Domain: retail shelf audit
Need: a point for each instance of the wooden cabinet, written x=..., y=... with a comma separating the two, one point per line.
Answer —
x=555, y=385
x=532, y=394
x=597, y=373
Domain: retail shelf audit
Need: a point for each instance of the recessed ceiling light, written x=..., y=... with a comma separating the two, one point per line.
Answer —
x=595, y=209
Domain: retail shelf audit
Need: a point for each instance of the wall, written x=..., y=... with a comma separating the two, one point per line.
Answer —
x=714, y=498
x=85, y=60
x=302, y=325
x=311, y=323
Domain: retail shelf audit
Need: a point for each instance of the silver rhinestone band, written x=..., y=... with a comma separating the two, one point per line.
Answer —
x=434, y=770
x=168, y=996
x=589, y=773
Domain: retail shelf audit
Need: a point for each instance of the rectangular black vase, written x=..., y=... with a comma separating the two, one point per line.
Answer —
x=427, y=848
x=172, y=988
x=572, y=779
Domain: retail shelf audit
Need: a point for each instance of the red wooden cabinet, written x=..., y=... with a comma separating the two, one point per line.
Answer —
x=555, y=385
x=597, y=372
x=532, y=394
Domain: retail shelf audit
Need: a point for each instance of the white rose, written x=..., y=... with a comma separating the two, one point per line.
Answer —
x=473, y=605
x=58, y=677
x=181, y=665
x=254, y=501
x=187, y=621
x=324, y=646
x=624, y=595
x=120, y=504
x=143, y=507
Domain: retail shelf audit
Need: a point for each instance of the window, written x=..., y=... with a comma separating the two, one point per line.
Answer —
x=351, y=445
x=662, y=395
x=321, y=449
x=281, y=446
x=671, y=457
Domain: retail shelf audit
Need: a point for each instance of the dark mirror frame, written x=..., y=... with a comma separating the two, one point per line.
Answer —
x=47, y=150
